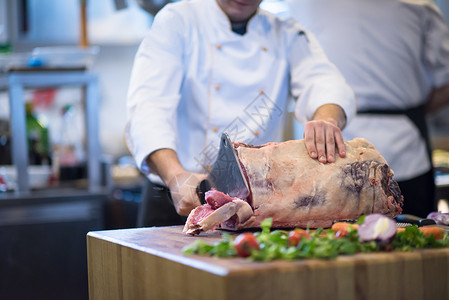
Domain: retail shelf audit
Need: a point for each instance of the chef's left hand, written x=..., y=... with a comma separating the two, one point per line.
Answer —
x=323, y=135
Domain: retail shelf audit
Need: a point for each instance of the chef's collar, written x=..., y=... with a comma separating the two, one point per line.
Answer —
x=239, y=27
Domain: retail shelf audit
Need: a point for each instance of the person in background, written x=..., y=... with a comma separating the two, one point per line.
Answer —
x=395, y=56
x=213, y=66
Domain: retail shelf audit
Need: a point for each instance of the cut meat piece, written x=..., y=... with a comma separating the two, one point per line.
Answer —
x=204, y=218
x=297, y=191
x=217, y=199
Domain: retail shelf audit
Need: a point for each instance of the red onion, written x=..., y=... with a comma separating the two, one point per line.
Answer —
x=439, y=217
x=378, y=228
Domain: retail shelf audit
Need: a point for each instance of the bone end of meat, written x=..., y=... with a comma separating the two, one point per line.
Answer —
x=244, y=211
x=201, y=219
x=243, y=216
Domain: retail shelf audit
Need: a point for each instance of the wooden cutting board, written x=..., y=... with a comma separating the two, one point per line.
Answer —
x=147, y=263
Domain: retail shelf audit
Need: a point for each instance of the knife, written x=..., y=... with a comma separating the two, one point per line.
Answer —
x=226, y=174
x=415, y=220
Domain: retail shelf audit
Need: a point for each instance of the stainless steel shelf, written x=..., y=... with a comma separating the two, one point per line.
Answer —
x=18, y=80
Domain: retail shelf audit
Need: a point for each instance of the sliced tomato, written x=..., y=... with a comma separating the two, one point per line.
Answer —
x=295, y=236
x=244, y=243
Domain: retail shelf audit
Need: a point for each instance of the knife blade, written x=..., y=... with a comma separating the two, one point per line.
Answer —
x=421, y=222
x=226, y=174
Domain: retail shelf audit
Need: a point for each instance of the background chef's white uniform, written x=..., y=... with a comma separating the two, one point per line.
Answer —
x=194, y=78
x=361, y=37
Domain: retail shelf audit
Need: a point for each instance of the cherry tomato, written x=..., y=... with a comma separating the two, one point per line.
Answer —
x=341, y=233
x=295, y=236
x=244, y=243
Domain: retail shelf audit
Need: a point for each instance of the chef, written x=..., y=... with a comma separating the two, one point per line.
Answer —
x=213, y=66
x=395, y=55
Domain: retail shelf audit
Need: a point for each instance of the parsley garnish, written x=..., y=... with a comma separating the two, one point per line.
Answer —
x=324, y=244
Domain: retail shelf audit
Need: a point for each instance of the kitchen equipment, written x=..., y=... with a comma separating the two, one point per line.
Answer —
x=152, y=6
x=39, y=176
x=21, y=79
x=43, y=242
x=65, y=56
x=226, y=174
x=147, y=263
x=415, y=220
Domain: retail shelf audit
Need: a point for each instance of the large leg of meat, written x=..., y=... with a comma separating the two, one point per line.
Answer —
x=297, y=191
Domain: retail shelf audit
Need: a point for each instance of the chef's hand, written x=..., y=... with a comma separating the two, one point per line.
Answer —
x=323, y=135
x=182, y=184
x=183, y=191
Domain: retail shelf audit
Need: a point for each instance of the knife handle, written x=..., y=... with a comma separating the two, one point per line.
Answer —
x=414, y=220
x=201, y=190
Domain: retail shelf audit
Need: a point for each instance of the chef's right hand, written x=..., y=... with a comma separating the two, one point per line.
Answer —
x=183, y=191
x=182, y=184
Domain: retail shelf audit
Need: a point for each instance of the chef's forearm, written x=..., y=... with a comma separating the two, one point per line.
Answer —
x=165, y=163
x=331, y=113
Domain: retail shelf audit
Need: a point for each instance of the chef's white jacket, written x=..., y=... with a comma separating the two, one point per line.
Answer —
x=392, y=53
x=193, y=78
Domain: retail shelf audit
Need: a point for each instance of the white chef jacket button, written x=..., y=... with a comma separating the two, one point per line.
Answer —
x=261, y=91
x=215, y=129
x=256, y=133
x=264, y=48
x=208, y=168
x=217, y=87
x=218, y=46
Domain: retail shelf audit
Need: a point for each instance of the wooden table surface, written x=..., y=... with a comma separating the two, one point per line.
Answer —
x=147, y=263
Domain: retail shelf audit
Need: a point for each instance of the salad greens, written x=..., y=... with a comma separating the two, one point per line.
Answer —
x=323, y=244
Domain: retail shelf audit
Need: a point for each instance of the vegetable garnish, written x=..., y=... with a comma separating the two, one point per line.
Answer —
x=321, y=243
x=378, y=228
x=245, y=243
x=295, y=236
x=341, y=228
x=439, y=217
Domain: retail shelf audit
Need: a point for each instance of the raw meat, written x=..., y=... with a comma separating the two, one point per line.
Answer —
x=219, y=208
x=297, y=191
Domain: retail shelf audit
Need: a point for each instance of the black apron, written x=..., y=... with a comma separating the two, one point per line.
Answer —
x=419, y=192
x=156, y=208
x=418, y=117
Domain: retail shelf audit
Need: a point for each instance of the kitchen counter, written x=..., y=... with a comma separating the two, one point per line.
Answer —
x=42, y=242
x=147, y=263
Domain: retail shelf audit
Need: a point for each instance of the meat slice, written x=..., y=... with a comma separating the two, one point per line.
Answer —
x=297, y=191
x=217, y=199
x=204, y=218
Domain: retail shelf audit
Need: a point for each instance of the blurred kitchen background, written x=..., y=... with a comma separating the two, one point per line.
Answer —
x=77, y=175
